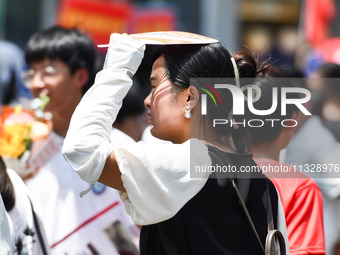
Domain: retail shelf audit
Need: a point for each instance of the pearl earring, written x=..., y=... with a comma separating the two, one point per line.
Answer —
x=187, y=113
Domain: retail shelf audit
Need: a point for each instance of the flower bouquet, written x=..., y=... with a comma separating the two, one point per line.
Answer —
x=19, y=129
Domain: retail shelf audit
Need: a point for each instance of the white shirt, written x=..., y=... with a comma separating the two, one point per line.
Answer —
x=73, y=223
x=6, y=232
x=25, y=231
x=158, y=178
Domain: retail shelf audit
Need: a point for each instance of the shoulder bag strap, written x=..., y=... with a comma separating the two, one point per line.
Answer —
x=247, y=212
x=272, y=233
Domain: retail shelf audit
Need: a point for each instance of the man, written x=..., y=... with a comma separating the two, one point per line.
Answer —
x=317, y=143
x=300, y=196
x=61, y=63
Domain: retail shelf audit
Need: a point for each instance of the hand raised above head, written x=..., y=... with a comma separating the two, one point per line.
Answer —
x=124, y=53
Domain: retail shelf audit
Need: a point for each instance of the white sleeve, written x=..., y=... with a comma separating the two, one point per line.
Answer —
x=158, y=177
x=86, y=146
x=7, y=240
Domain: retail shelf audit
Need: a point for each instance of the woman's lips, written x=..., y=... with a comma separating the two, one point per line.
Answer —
x=149, y=117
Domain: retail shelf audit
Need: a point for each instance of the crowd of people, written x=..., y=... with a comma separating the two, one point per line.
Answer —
x=61, y=64
x=104, y=185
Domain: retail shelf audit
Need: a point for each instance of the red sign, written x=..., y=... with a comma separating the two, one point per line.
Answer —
x=153, y=19
x=318, y=17
x=97, y=18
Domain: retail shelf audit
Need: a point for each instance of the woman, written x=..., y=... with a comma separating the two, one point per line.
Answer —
x=180, y=214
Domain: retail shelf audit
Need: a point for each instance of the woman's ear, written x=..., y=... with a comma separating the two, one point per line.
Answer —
x=194, y=96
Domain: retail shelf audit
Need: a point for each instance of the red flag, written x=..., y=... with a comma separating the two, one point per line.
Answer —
x=318, y=16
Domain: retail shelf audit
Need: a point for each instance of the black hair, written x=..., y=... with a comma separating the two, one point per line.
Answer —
x=6, y=187
x=329, y=70
x=270, y=130
x=71, y=46
x=213, y=61
x=133, y=105
x=330, y=74
x=185, y=62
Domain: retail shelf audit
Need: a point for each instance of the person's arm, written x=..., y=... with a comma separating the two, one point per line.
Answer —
x=156, y=177
x=86, y=146
x=111, y=175
x=305, y=220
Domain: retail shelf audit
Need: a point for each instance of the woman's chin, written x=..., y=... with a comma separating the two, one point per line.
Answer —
x=155, y=134
x=152, y=131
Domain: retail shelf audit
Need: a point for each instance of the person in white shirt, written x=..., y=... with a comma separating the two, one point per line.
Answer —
x=180, y=213
x=61, y=63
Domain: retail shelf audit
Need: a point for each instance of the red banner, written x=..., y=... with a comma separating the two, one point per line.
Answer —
x=318, y=17
x=152, y=20
x=97, y=18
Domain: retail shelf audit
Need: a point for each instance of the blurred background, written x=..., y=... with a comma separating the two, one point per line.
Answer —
x=296, y=33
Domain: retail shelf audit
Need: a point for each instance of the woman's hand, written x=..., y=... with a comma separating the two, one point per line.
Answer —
x=124, y=53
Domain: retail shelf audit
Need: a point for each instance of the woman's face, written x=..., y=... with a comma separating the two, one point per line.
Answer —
x=166, y=106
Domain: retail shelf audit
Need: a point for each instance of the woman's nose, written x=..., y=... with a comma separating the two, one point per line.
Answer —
x=147, y=100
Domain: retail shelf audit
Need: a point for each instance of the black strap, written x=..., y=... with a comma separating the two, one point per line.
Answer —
x=247, y=213
x=272, y=233
x=37, y=228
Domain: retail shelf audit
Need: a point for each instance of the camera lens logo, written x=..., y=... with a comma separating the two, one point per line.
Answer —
x=239, y=98
x=204, y=98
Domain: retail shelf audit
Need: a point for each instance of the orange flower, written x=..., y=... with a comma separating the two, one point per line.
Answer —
x=15, y=126
x=18, y=129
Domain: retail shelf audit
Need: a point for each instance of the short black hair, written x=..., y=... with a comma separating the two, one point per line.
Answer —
x=330, y=74
x=71, y=46
x=133, y=105
x=270, y=130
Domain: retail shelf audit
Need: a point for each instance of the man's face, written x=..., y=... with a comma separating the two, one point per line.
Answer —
x=53, y=78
